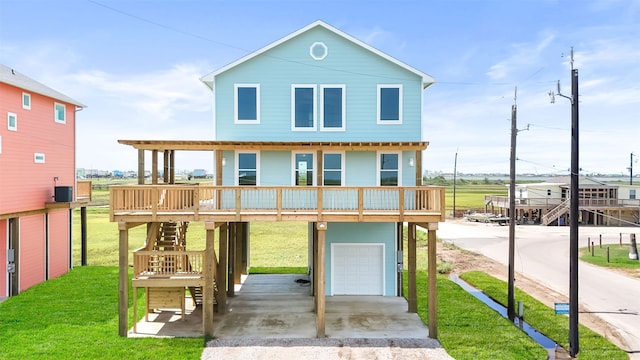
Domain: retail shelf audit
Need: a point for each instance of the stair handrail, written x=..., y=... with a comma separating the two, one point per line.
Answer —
x=546, y=218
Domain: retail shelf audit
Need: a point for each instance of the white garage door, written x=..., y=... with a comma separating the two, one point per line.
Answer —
x=357, y=269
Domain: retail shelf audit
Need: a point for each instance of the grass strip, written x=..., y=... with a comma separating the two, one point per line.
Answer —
x=468, y=329
x=545, y=320
x=76, y=316
x=618, y=256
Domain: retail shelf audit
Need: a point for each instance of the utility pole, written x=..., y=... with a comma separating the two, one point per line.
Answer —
x=511, y=301
x=574, y=208
x=455, y=166
x=631, y=168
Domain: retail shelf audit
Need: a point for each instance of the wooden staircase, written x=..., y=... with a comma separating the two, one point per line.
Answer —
x=556, y=212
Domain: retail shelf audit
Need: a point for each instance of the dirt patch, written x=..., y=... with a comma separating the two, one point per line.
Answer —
x=465, y=261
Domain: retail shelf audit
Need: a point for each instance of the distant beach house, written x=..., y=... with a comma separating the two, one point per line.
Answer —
x=317, y=127
x=547, y=203
x=37, y=181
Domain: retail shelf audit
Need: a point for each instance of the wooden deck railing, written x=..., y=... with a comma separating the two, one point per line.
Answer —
x=155, y=200
x=167, y=263
x=503, y=201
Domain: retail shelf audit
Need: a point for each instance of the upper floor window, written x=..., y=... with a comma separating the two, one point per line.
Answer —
x=60, y=113
x=333, y=173
x=26, y=101
x=303, y=165
x=632, y=194
x=303, y=107
x=389, y=169
x=389, y=104
x=332, y=107
x=12, y=122
x=247, y=103
x=247, y=168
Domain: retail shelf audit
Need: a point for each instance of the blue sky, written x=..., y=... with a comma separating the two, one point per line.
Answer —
x=136, y=65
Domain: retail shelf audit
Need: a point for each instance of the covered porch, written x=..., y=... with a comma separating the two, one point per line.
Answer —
x=282, y=306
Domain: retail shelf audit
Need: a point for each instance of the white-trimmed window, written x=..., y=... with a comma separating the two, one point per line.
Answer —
x=389, y=170
x=12, y=122
x=632, y=194
x=60, y=113
x=332, y=107
x=303, y=107
x=247, y=168
x=303, y=165
x=333, y=169
x=247, y=103
x=389, y=104
x=26, y=101
x=38, y=158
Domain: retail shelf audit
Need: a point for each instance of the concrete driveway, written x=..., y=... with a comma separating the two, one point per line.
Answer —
x=542, y=253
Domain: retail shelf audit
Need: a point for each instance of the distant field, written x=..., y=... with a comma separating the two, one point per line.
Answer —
x=472, y=196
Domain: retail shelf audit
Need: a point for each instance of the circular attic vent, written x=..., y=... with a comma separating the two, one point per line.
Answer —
x=318, y=51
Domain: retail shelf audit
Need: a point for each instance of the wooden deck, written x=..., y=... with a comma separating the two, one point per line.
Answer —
x=160, y=203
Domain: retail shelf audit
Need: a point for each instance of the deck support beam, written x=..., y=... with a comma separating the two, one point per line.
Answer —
x=208, y=290
x=123, y=280
x=221, y=274
x=432, y=292
x=320, y=280
x=411, y=257
x=140, y=166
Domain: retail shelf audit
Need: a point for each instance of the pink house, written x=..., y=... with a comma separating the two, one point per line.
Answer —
x=37, y=181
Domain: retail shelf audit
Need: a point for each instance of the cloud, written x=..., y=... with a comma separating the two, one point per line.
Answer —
x=523, y=57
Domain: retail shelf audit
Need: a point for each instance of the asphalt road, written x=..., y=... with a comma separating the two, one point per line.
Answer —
x=542, y=253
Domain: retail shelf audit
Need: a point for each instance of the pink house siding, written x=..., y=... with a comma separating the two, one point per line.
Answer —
x=3, y=257
x=31, y=250
x=58, y=243
x=27, y=185
x=24, y=184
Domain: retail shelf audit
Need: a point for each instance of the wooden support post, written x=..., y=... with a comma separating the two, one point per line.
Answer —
x=231, y=290
x=208, y=291
x=165, y=166
x=319, y=167
x=418, y=164
x=237, y=261
x=123, y=281
x=172, y=167
x=245, y=248
x=432, y=291
x=315, y=266
x=140, y=166
x=320, y=281
x=400, y=246
x=221, y=278
x=83, y=235
x=413, y=291
x=154, y=167
x=218, y=170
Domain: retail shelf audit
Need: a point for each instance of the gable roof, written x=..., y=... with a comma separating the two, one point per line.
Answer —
x=209, y=79
x=14, y=78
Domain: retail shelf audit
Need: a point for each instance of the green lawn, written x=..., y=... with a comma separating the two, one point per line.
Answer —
x=76, y=317
x=618, y=256
x=544, y=319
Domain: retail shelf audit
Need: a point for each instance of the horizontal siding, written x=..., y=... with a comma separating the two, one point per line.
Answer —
x=58, y=243
x=31, y=251
x=289, y=63
x=25, y=185
x=360, y=168
x=355, y=233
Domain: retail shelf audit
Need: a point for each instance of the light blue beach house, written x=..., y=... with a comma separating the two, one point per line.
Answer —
x=317, y=127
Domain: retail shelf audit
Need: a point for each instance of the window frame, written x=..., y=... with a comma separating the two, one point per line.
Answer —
x=343, y=87
x=55, y=113
x=314, y=88
x=236, y=120
x=238, y=169
x=26, y=106
x=379, y=104
x=13, y=127
x=379, y=170
x=294, y=168
x=342, y=167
